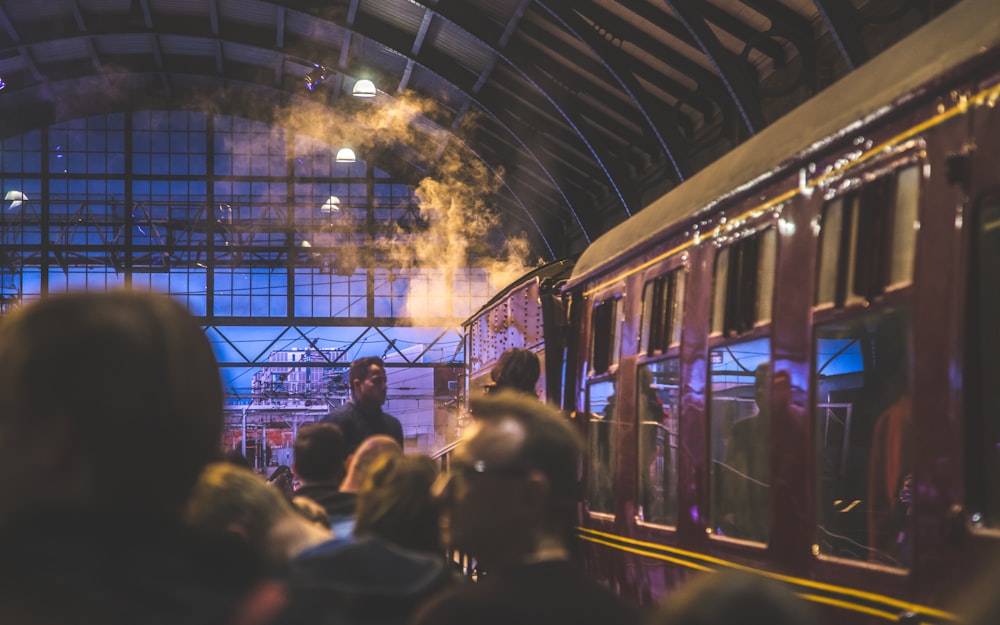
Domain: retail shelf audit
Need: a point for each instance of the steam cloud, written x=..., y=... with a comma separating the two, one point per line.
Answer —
x=456, y=218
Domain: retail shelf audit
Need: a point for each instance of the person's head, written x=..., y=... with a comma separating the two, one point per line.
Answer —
x=517, y=369
x=111, y=401
x=513, y=482
x=235, y=456
x=319, y=454
x=733, y=598
x=363, y=460
x=395, y=503
x=368, y=381
x=228, y=499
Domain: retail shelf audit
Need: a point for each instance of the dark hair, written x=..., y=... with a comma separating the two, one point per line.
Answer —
x=551, y=445
x=320, y=453
x=137, y=381
x=235, y=456
x=359, y=368
x=517, y=369
x=395, y=503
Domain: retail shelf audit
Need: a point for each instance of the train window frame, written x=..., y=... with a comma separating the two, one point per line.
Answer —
x=604, y=350
x=888, y=295
x=649, y=356
x=852, y=268
x=739, y=305
x=607, y=327
x=720, y=451
x=660, y=321
x=851, y=422
x=757, y=313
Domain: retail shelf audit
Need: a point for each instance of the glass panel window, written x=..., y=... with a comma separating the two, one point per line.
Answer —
x=602, y=445
x=868, y=238
x=829, y=247
x=905, y=226
x=744, y=284
x=605, y=342
x=659, y=411
x=864, y=438
x=662, y=299
x=740, y=388
x=719, y=290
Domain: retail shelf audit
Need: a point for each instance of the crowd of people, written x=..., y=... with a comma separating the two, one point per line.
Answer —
x=118, y=507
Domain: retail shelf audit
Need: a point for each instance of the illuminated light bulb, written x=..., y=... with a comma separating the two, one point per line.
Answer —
x=331, y=204
x=345, y=155
x=364, y=88
x=16, y=198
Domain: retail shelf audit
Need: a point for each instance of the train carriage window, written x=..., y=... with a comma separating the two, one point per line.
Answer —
x=864, y=437
x=603, y=418
x=744, y=284
x=867, y=240
x=602, y=444
x=605, y=338
x=659, y=410
x=984, y=344
x=662, y=298
x=740, y=391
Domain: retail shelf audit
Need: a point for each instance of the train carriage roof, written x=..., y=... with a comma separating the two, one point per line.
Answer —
x=898, y=75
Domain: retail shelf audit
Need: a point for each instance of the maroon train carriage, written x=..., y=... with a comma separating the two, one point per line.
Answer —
x=786, y=364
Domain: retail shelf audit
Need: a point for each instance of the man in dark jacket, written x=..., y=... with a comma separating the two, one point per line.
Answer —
x=510, y=502
x=363, y=416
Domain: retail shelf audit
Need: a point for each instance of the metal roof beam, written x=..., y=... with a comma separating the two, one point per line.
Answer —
x=459, y=15
x=733, y=70
x=842, y=23
x=8, y=26
x=670, y=142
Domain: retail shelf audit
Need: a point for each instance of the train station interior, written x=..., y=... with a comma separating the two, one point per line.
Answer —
x=317, y=180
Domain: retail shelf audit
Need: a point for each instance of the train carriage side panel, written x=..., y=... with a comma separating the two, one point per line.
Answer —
x=864, y=369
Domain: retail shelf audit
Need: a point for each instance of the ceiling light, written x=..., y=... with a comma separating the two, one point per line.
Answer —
x=345, y=155
x=331, y=204
x=364, y=88
x=316, y=76
x=16, y=198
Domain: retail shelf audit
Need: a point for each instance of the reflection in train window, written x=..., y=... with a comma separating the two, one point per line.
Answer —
x=659, y=396
x=984, y=344
x=744, y=284
x=864, y=438
x=602, y=441
x=740, y=387
x=867, y=240
x=662, y=299
x=605, y=337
